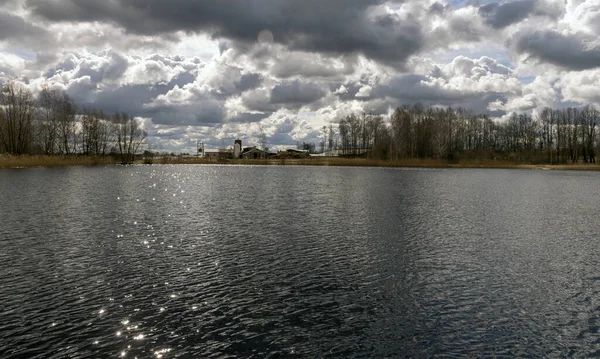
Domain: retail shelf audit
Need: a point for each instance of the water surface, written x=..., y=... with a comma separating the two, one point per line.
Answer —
x=233, y=261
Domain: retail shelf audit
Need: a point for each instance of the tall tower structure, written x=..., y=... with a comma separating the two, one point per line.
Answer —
x=237, y=148
x=200, y=149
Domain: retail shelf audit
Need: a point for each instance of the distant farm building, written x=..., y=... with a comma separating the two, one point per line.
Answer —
x=291, y=150
x=218, y=153
x=237, y=152
x=254, y=153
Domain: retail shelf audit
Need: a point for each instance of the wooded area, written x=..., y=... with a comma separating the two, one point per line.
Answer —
x=555, y=137
x=51, y=125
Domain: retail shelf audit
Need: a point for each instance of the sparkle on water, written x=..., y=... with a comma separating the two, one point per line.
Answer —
x=215, y=261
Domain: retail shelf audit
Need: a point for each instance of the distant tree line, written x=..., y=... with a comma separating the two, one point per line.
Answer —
x=52, y=125
x=567, y=135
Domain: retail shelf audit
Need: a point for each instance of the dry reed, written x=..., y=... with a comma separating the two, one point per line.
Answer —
x=9, y=161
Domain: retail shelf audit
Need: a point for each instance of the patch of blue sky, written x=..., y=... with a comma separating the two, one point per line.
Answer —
x=526, y=80
x=25, y=55
x=462, y=3
x=566, y=104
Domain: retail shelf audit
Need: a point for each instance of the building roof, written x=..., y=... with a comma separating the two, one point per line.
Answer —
x=254, y=150
x=248, y=149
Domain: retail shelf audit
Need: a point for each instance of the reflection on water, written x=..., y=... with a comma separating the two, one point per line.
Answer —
x=210, y=261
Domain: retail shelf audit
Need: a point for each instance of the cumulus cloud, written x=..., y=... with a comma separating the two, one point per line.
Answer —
x=582, y=15
x=477, y=84
x=11, y=65
x=582, y=87
x=364, y=91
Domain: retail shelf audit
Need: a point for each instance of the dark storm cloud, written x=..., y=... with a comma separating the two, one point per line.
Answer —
x=15, y=28
x=410, y=89
x=248, y=117
x=67, y=64
x=500, y=15
x=182, y=79
x=248, y=82
x=296, y=92
x=457, y=28
x=281, y=139
x=128, y=98
x=203, y=112
x=6, y=3
x=439, y=8
x=479, y=104
x=258, y=100
x=332, y=26
x=575, y=52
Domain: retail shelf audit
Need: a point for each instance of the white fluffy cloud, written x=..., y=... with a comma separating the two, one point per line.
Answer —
x=581, y=87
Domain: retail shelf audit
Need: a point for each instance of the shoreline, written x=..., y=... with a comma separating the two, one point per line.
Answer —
x=9, y=161
x=59, y=161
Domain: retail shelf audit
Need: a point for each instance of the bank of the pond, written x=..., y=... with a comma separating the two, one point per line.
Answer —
x=363, y=162
x=59, y=161
x=7, y=161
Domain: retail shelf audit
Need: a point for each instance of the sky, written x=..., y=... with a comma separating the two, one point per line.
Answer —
x=214, y=71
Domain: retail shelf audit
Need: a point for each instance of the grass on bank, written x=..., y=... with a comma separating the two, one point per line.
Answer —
x=364, y=162
x=417, y=163
x=7, y=161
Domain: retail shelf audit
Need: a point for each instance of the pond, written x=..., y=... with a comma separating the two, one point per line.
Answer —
x=251, y=261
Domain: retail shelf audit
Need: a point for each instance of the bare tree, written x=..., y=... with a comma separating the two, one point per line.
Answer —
x=2, y=131
x=323, y=143
x=49, y=102
x=67, y=125
x=96, y=132
x=262, y=138
x=16, y=123
x=344, y=136
x=129, y=136
x=331, y=137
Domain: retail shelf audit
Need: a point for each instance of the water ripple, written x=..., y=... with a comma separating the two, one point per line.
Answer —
x=216, y=262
